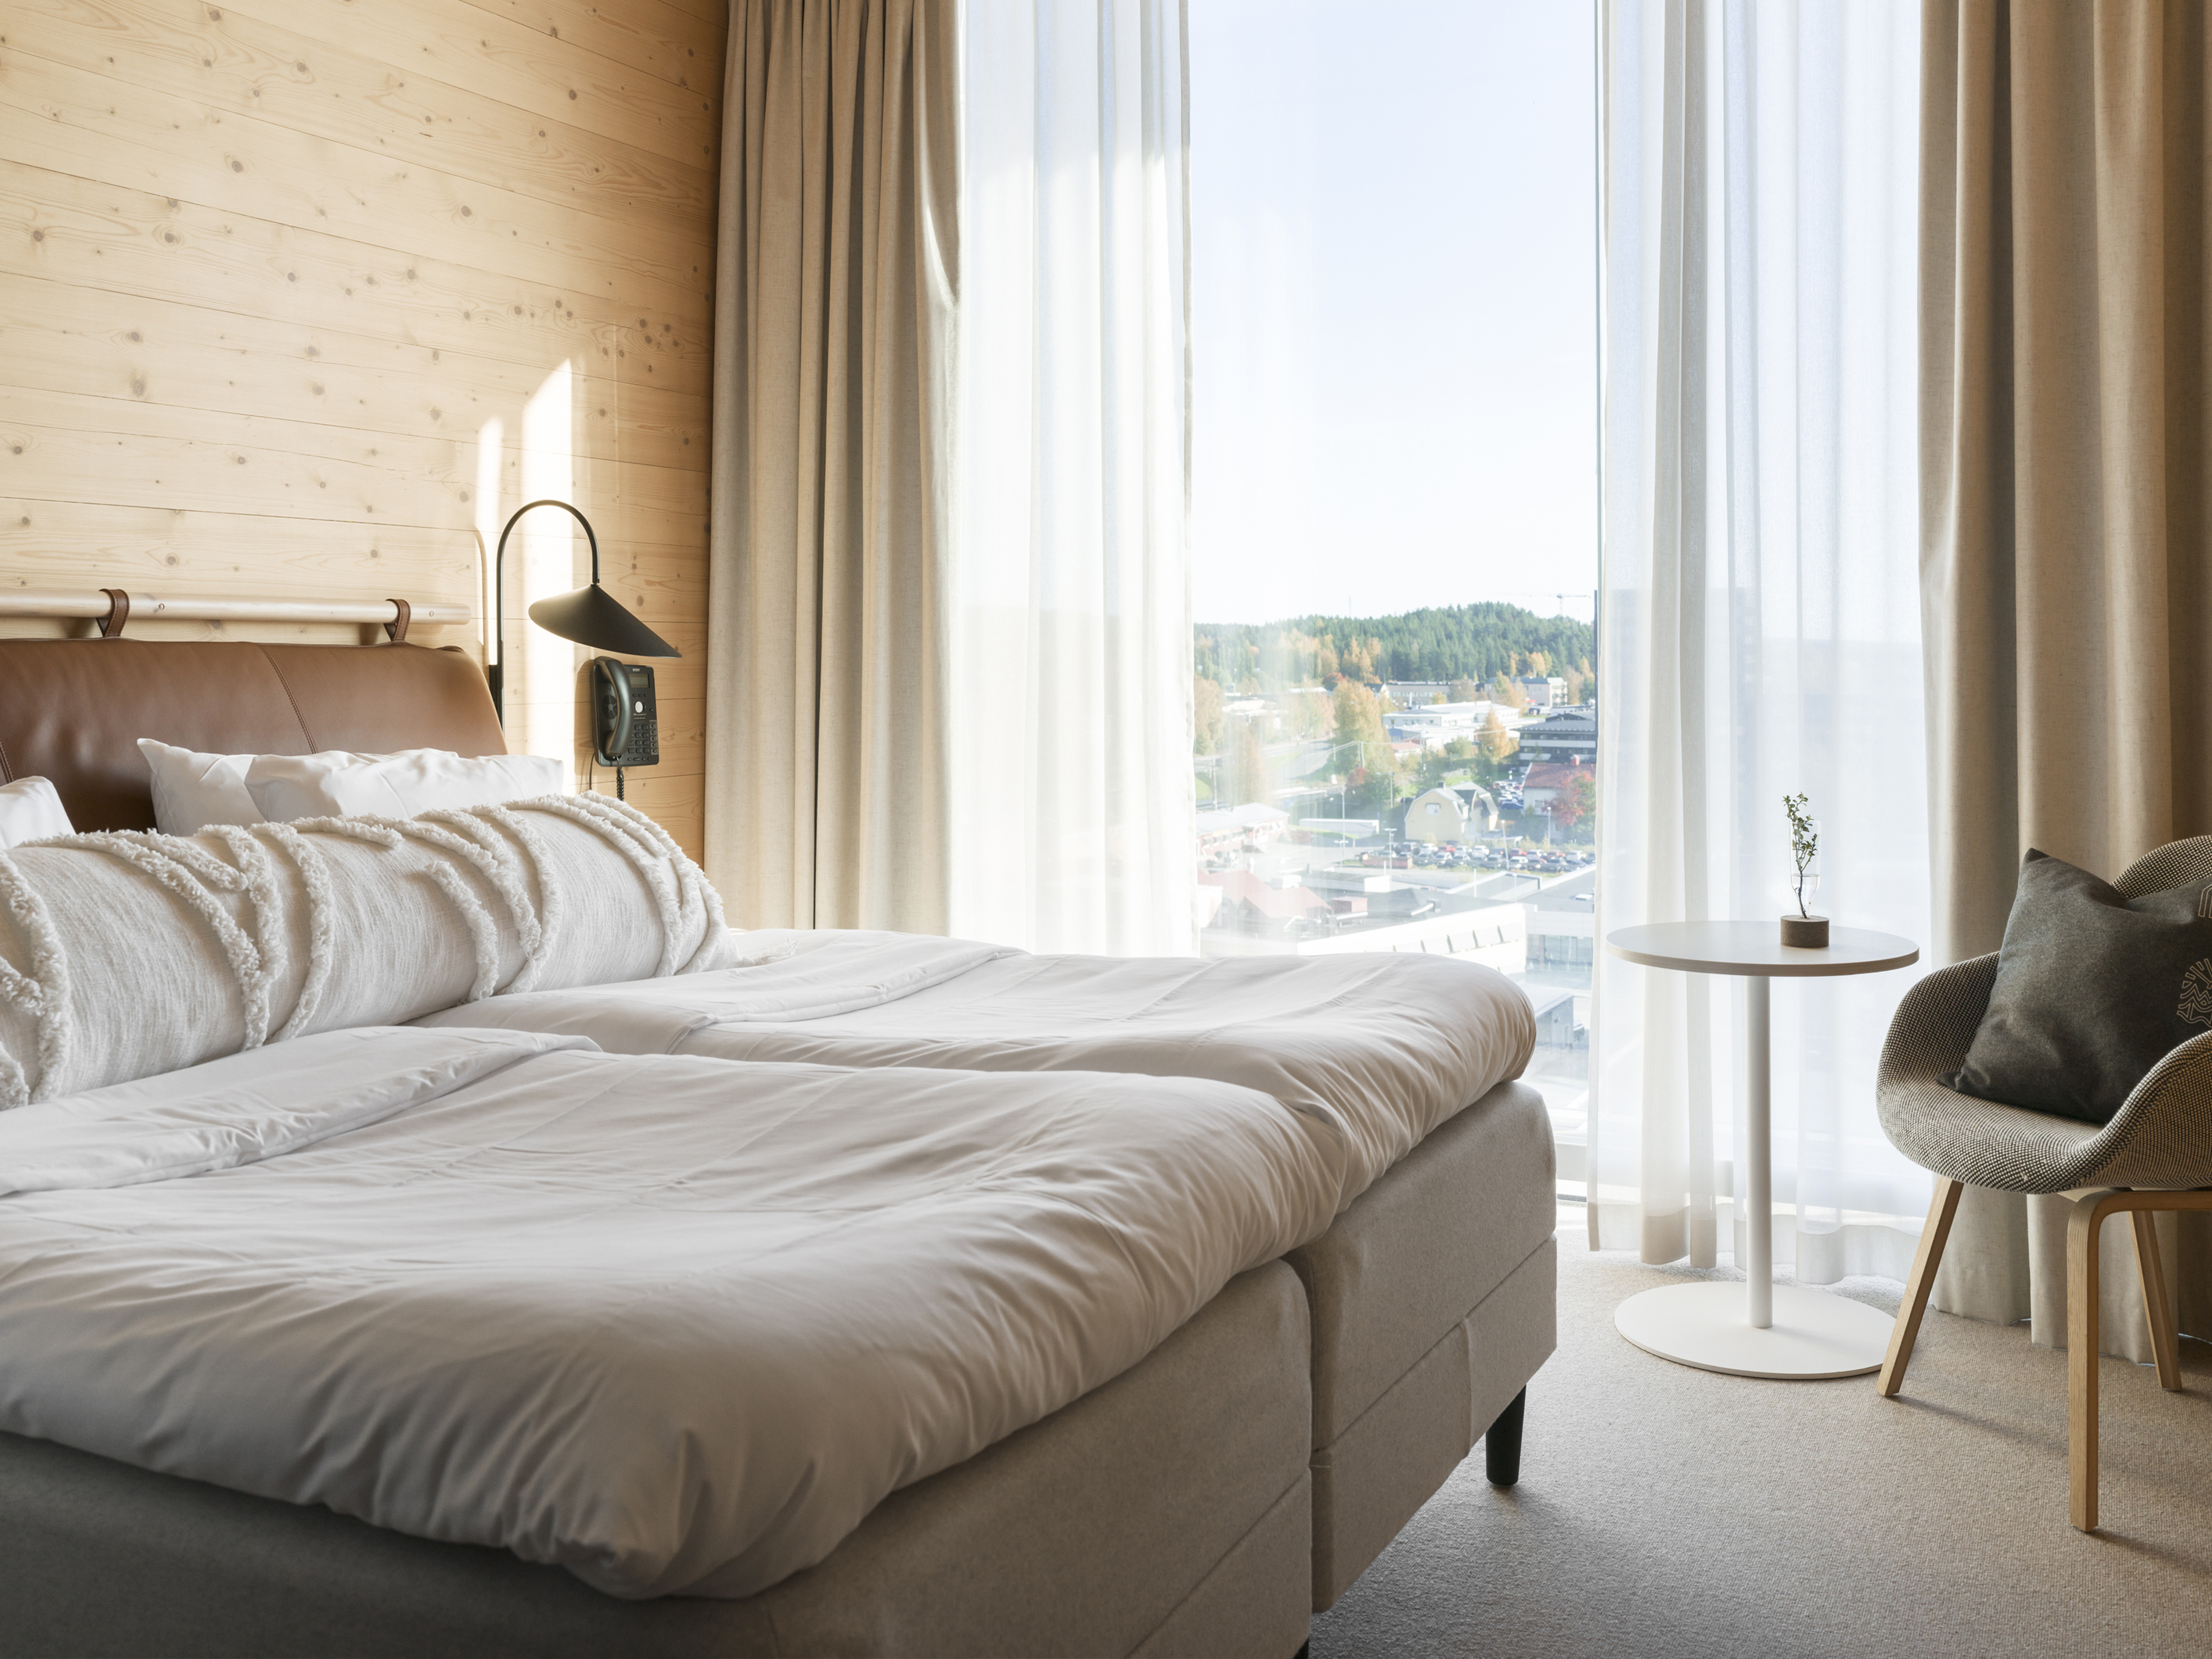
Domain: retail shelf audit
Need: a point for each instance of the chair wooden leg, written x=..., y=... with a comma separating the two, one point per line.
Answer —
x=1925, y=1260
x=2083, y=1330
x=2157, y=1309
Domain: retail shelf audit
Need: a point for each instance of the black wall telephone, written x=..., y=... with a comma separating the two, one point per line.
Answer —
x=625, y=719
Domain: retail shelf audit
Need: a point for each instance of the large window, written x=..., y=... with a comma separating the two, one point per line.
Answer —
x=1394, y=504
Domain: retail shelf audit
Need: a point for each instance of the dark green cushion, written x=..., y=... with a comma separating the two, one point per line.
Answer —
x=2092, y=991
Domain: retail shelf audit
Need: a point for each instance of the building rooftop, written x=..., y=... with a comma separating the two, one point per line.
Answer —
x=1279, y=903
x=1553, y=774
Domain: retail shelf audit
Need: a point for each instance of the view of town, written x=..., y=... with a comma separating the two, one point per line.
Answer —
x=1393, y=467
x=1418, y=782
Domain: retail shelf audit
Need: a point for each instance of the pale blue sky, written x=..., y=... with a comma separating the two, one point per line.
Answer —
x=1393, y=317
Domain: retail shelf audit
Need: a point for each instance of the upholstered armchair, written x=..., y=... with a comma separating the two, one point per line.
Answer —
x=2157, y=1147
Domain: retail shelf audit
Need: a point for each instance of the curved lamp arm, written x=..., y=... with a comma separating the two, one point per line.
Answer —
x=497, y=674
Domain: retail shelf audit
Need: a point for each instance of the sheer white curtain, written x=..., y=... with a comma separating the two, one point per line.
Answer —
x=1071, y=788
x=1759, y=629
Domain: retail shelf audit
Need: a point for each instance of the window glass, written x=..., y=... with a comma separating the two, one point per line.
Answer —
x=1394, y=499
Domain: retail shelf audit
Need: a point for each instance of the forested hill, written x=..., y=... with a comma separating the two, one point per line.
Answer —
x=1455, y=642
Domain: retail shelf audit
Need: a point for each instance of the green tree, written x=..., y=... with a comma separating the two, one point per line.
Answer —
x=1372, y=769
x=1205, y=715
x=1438, y=766
x=1472, y=642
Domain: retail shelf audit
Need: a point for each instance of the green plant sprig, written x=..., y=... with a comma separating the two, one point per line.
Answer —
x=1804, y=840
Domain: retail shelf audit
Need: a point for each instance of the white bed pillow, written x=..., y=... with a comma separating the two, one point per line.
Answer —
x=193, y=790
x=335, y=784
x=31, y=810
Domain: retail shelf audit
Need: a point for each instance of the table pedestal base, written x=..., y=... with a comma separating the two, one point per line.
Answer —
x=1814, y=1334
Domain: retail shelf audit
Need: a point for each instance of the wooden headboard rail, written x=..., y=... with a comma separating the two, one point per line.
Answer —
x=72, y=710
x=112, y=607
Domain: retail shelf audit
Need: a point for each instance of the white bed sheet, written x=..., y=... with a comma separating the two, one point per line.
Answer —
x=1381, y=1047
x=672, y=1324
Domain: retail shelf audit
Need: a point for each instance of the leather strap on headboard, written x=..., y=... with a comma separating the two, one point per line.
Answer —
x=72, y=710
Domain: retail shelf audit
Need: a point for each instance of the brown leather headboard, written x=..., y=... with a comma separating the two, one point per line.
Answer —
x=72, y=710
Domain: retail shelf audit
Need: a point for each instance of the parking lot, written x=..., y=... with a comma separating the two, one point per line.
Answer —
x=1423, y=855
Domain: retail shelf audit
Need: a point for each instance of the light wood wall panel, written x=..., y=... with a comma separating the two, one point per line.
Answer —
x=299, y=297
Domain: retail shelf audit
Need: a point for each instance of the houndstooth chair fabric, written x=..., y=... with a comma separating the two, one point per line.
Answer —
x=2161, y=1136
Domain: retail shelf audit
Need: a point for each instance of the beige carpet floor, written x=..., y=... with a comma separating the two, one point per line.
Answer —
x=1666, y=1511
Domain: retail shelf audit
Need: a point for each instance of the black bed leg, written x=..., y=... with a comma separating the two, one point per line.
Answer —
x=1501, y=1445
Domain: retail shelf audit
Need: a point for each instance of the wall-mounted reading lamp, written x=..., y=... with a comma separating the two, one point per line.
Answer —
x=591, y=615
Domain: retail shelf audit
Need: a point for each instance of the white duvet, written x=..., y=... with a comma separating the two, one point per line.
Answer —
x=672, y=1324
x=1381, y=1047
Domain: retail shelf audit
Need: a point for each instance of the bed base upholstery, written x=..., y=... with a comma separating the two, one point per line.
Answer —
x=1433, y=1302
x=1164, y=1514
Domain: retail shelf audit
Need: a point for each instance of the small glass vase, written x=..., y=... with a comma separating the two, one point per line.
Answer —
x=1801, y=927
x=1803, y=886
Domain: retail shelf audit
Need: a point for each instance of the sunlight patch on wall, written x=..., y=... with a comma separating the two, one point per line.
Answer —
x=541, y=676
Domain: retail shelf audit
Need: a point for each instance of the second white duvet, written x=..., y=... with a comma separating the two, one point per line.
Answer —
x=1381, y=1047
x=674, y=1325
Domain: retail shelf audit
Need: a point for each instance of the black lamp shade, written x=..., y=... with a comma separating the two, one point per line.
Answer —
x=594, y=618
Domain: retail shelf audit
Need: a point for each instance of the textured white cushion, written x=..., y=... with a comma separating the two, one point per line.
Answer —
x=124, y=955
x=336, y=784
x=193, y=790
x=31, y=811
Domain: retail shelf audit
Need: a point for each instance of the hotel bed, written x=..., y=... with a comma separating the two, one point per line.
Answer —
x=1430, y=1311
x=674, y=1326
x=1411, y=1321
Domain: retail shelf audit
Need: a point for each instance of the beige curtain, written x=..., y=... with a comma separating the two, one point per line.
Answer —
x=834, y=305
x=2065, y=453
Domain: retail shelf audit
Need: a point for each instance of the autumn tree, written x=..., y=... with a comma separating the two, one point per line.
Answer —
x=1373, y=767
x=1204, y=716
x=1575, y=806
x=1358, y=715
x=1466, y=691
x=1505, y=691
x=1497, y=742
x=1244, y=766
x=1311, y=713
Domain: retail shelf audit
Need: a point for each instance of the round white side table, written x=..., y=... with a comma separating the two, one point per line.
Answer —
x=1757, y=1328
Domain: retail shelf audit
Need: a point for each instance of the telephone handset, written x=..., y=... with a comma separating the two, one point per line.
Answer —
x=625, y=718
